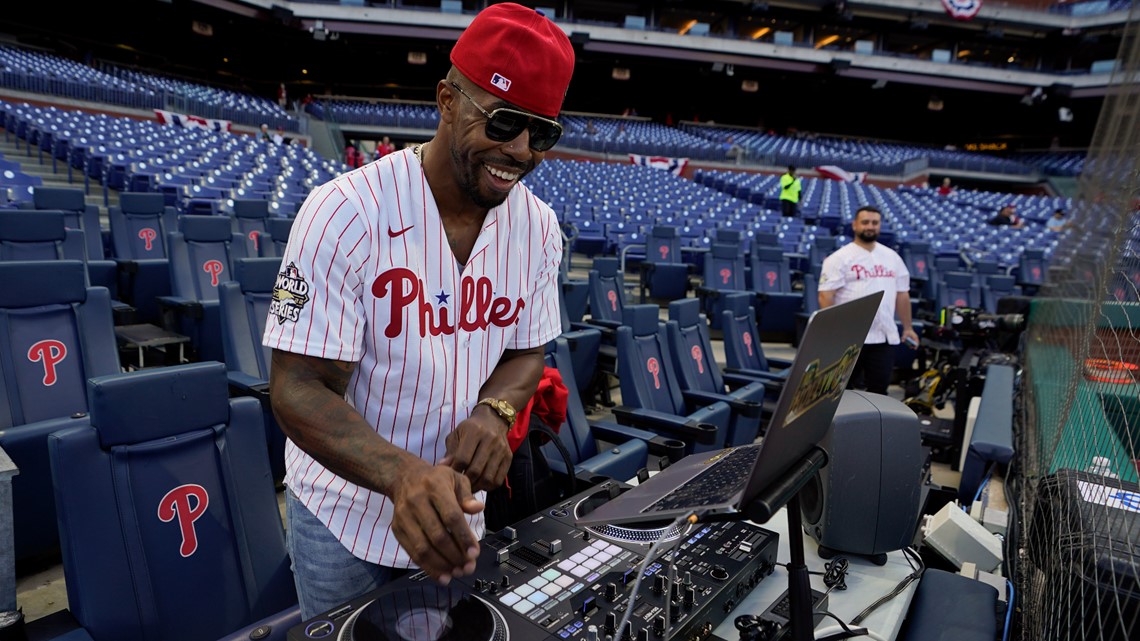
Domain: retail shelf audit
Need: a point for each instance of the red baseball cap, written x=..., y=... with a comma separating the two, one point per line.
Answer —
x=517, y=54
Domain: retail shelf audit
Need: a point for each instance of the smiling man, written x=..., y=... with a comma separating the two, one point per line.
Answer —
x=431, y=281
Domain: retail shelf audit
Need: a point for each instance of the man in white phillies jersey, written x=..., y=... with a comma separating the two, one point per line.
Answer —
x=409, y=318
x=864, y=267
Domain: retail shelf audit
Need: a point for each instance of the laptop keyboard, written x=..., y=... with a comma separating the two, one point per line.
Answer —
x=716, y=484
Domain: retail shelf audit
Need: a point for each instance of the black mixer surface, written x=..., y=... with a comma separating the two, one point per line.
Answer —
x=546, y=578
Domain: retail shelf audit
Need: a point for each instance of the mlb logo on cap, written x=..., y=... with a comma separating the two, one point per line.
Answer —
x=501, y=82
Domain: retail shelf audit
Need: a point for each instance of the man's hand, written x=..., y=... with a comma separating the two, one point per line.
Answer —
x=478, y=448
x=428, y=520
x=909, y=336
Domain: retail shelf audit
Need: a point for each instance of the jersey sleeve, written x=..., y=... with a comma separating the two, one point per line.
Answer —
x=317, y=307
x=830, y=275
x=902, y=275
x=541, y=320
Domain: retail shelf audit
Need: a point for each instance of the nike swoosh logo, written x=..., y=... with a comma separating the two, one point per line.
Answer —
x=397, y=234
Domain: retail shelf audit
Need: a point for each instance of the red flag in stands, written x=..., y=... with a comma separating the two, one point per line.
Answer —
x=675, y=165
x=838, y=173
x=182, y=120
x=962, y=9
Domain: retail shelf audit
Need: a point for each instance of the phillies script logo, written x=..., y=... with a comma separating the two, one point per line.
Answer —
x=214, y=269
x=654, y=368
x=49, y=352
x=185, y=503
x=878, y=271
x=148, y=235
x=290, y=294
x=475, y=295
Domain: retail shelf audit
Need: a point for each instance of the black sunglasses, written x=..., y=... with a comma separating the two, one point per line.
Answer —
x=504, y=125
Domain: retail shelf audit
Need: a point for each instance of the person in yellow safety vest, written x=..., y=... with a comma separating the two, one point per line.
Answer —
x=790, y=188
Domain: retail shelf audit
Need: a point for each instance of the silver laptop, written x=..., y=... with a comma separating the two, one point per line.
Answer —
x=716, y=485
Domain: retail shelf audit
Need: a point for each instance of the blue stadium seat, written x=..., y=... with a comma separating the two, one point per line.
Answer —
x=78, y=215
x=580, y=437
x=192, y=547
x=243, y=306
x=700, y=377
x=202, y=253
x=140, y=224
x=276, y=237
x=664, y=274
x=56, y=333
x=958, y=289
x=774, y=299
x=724, y=273
x=44, y=235
x=650, y=394
x=743, y=351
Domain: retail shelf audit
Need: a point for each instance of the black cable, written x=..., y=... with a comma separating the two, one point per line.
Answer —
x=847, y=632
x=835, y=573
x=907, y=580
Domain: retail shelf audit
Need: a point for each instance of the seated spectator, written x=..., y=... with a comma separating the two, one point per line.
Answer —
x=945, y=189
x=1005, y=216
x=1058, y=223
x=279, y=137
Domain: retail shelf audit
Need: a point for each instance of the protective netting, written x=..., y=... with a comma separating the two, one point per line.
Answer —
x=1073, y=486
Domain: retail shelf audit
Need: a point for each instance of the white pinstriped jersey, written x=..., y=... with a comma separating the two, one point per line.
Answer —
x=854, y=272
x=369, y=277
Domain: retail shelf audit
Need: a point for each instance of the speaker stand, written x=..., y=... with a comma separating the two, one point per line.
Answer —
x=784, y=492
x=829, y=553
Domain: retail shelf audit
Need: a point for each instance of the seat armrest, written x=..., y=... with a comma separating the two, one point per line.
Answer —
x=736, y=380
x=245, y=385
x=599, y=323
x=756, y=374
x=681, y=427
x=743, y=407
x=658, y=445
x=178, y=304
x=132, y=265
x=779, y=363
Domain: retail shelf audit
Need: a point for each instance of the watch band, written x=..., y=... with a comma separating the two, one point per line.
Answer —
x=505, y=410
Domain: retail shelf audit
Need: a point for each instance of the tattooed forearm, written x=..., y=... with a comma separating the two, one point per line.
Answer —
x=308, y=401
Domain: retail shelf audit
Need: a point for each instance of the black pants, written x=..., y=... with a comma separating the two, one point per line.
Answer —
x=788, y=208
x=873, y=369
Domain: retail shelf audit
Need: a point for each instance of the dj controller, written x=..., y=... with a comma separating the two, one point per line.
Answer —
x=547, y=578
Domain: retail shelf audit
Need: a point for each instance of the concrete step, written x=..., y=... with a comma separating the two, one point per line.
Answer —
x=32, y=166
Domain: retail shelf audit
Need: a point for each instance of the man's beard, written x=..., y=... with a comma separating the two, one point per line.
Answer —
x=868, y=236
x=468, y=179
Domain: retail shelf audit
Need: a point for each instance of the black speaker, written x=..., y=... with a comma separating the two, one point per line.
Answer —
x=866, y=499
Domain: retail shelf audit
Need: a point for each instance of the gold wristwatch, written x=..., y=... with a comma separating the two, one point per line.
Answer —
x=505, y=410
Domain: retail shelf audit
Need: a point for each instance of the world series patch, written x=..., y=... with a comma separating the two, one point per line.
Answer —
x=290, y=295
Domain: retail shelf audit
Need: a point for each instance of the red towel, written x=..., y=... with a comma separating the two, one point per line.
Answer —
x=548, y=404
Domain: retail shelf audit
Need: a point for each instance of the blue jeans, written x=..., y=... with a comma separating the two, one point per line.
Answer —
x=327, y=575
